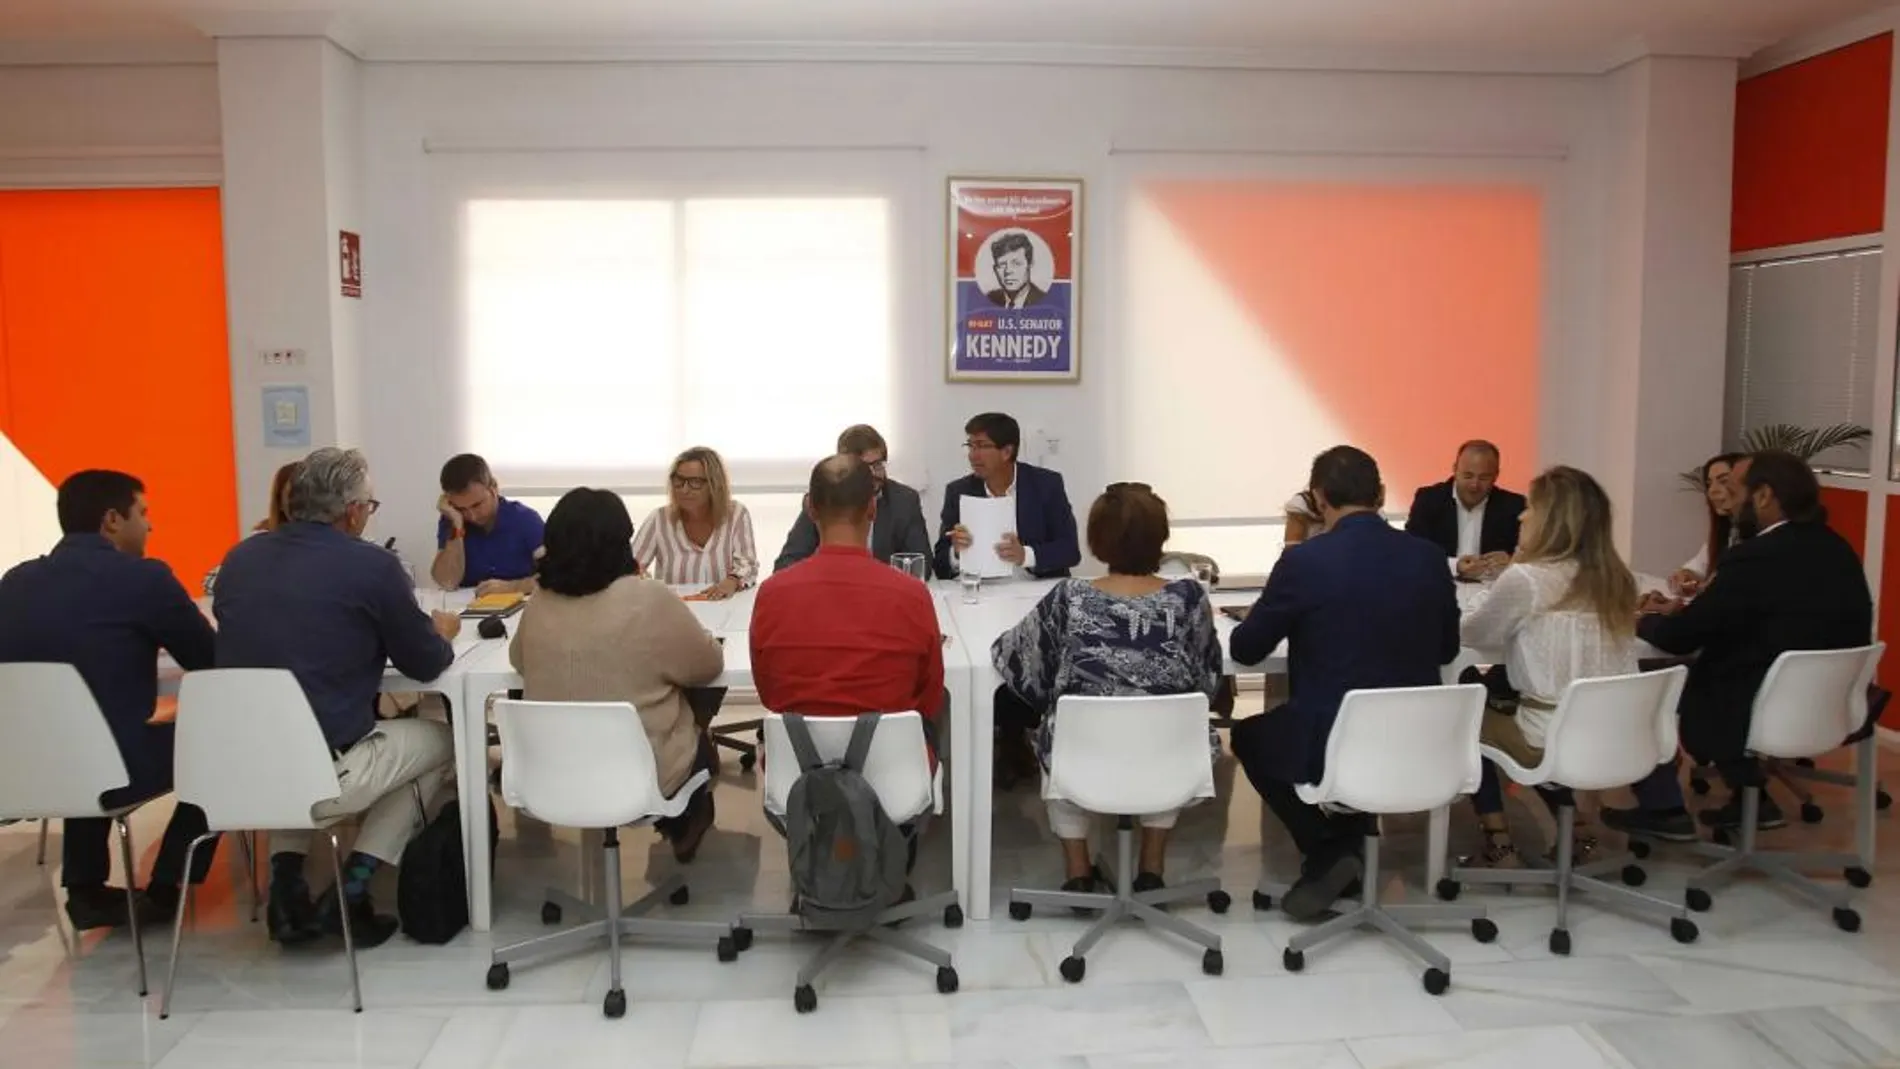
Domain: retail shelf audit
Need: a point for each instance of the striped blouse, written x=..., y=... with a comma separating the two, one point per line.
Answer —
x=666, y=554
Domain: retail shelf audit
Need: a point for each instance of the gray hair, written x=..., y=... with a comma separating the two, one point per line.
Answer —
x=331, y=481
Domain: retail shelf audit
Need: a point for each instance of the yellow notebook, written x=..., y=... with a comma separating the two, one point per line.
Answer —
x=495, y=605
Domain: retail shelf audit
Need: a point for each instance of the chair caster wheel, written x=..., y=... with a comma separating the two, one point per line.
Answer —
x=1560, y=942
x=805, y=1000
x=747, y=760
x=1639, y=849
x=1683, y=930
x=1634, y=876
x=1883, y=800
x=614, y=1005
x=1697, y=900
x=727, y=949
x=1219, y=901
x=1804, y=762
x=681, y=896
x=946, y=980
x=550, y=913
x=1484, y=930
x=953, y=916
x=742, y=939
x=1020, y=911
x=1436, y=981
x=1293, y=960
x=1212, y=963
x=1447, y=890
x=1262, y=901
x=1073, y=969
x=1847, y=920
x=1811, y=813
x=1722, y=837
x=498, y=977
x=1858, y=877
x=1699, y=785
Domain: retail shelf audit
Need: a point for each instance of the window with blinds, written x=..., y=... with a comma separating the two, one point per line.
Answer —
x=1801, y=339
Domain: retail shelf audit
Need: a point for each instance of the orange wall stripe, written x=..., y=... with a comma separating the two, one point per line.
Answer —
x=115, y=352
x=1811, y=148
x=1847, y=515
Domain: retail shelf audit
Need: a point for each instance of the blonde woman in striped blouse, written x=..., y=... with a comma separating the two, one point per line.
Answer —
x=701, y=536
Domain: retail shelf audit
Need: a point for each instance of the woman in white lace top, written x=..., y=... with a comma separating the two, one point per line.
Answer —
x=1564, y=610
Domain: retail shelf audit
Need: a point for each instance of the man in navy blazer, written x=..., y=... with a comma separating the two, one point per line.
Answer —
x=1044, y=543
x=1364, y=607
x=1470, y=520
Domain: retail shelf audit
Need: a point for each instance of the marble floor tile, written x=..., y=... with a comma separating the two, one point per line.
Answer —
x=373, y=1039
x=1557, y=991
x=1305, y=1009
x=1878, y=1021
x=1776, y=1039
x=1073, y=1019
x=1514, y=1048
x=54, y=1037
x=1290, y=1056
x=652, y=1036
x=1758, y=976
x=842, y=1031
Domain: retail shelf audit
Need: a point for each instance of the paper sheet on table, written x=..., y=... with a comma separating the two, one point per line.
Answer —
x=987, y=519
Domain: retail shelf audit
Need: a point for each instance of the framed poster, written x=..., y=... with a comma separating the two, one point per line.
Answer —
x=1015, y=280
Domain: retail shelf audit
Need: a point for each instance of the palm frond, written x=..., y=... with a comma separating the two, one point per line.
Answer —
x=1804, y=442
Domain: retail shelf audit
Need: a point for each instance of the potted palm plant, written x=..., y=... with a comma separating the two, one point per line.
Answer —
x=1804, y=442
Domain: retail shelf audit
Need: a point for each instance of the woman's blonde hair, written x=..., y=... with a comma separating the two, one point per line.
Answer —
x=718, y=487
x=1573, y=523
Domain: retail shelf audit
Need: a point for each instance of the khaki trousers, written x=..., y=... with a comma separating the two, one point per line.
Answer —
x=375, y=776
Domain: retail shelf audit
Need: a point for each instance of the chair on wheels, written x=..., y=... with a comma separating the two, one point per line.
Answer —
x=1810, y=701
x=1129, y=757
x=741, y=736
x=589, y=765
x=897, y=767
x=1405, y=750
x=249, y=752
x=1871, y=795
x=59, y=759
x=1606, y=733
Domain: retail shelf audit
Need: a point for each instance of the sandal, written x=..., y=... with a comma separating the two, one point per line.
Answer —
x=1499, y=852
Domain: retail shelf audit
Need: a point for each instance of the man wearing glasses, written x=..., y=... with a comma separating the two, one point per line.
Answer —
x=1044, y=542
x=483, y=539
x=899, y=526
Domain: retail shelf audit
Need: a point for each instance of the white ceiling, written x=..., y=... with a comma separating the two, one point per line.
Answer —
x=1479, y=34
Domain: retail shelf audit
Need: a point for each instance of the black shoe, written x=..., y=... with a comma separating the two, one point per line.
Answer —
x=368, y=928
x=1316, y=891
x=158, y=904
x=1670, y=827
x=1084, y=885
x=1148, y=881
x=96, y=907
x=290, y=917
x=1767, y=818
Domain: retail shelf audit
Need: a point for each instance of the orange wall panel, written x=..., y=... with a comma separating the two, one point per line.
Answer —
x=1888, y=624
x=115, y=354
x=1811, y=148
x=1847, y=515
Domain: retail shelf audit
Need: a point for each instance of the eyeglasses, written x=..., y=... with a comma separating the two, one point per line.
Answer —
x=877, y=465
x=978, y=444
x=689, y=482
x=373, y=505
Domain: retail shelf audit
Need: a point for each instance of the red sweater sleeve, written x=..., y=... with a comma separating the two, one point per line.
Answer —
x=930, y=696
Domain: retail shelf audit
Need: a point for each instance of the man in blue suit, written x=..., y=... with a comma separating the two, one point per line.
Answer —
x=1365, y=607
x=1044, y=543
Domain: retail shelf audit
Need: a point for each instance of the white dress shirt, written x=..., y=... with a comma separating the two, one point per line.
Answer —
x=1470, y=526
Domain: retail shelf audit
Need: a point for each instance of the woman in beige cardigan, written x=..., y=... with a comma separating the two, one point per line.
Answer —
x=597, y=631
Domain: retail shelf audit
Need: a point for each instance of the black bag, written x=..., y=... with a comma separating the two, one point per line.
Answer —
x=432, y=884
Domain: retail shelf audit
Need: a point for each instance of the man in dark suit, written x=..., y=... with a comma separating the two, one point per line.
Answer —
x=98, y=604
x=1791, y=584
x=1012, y=254
x=1044, y=543
x=1467, y=517
x=899, y=526
x=1364, y=607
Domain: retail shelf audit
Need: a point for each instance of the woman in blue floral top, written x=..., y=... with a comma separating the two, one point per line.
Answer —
x=1127, y=633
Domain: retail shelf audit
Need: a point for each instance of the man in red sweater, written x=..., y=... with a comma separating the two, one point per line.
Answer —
x=843, y=634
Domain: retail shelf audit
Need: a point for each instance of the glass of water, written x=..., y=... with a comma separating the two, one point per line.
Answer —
x=971, y=584
x=911, y=564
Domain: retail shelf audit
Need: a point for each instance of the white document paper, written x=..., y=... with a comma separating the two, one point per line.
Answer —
x=987, y=519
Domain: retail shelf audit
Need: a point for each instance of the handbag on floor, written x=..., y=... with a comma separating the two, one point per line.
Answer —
x=432, y=882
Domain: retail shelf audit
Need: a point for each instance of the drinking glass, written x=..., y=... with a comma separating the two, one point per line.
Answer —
x=1204, y=575
x=911, y=564
x=972, y=586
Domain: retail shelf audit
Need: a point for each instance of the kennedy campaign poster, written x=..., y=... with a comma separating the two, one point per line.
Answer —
x=1015, y=262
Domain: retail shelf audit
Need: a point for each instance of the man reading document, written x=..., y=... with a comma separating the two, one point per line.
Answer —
x=1042, y=542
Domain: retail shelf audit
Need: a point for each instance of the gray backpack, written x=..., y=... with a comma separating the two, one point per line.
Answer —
x=847, y=858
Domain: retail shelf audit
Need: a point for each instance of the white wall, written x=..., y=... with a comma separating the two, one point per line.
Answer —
x=109, y=125
x=1087, y=122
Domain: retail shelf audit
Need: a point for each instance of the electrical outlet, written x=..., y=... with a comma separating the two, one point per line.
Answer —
x=282, y=357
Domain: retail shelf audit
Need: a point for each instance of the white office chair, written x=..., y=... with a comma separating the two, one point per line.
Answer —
x=1810, y=701
x=1129, y=757
x=1404, y=750
x=249, y=752
x=1606, y=733
x=909, y=790
x=590, y=765
x=59, y=759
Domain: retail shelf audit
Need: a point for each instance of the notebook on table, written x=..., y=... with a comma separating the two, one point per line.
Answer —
x=495, y=605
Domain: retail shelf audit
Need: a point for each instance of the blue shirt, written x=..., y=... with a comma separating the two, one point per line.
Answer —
x=107, y=614
x=334, y=610
x=504, y=551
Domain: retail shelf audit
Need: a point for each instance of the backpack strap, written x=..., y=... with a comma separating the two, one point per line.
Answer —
x=803, y=747
x=860, y=747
